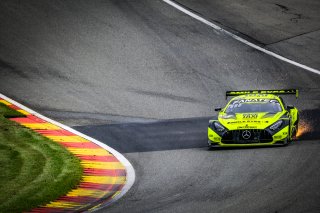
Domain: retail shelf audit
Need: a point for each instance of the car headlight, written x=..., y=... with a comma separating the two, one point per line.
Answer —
x=218, y=127
x=276, y=125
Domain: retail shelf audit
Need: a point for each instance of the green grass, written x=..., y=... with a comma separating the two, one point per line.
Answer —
x=8, y=112
x=34, y=169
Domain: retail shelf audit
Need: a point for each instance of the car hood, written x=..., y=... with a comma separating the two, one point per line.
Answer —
x=248, y=120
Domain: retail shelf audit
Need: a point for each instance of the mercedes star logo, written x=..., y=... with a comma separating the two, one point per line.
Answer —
x=246, y=134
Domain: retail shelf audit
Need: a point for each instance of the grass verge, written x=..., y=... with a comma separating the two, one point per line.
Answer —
x=34, y=169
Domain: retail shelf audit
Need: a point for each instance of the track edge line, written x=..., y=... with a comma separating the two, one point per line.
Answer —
x=181, y=8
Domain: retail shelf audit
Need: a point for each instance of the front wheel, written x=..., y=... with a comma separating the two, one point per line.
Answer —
x=286, y=142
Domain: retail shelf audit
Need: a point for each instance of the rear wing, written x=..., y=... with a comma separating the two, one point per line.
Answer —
x=273, y=92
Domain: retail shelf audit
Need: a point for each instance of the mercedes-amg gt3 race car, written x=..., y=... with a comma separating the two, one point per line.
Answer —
x=254, y=118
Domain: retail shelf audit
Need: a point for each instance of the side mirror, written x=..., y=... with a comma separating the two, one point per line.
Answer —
x=289, y=107
x=217, y=109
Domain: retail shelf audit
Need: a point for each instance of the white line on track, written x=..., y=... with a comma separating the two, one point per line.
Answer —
x=129, y=169
x=216, y=27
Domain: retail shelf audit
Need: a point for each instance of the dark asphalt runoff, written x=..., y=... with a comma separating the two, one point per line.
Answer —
x=144, y=78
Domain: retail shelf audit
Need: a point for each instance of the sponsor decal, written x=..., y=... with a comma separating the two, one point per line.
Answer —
x=246, y=121
x=247, y=127
x=255, y=100
x=246, y=92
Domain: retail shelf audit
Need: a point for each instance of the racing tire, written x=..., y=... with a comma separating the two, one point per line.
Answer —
x=294, y=133
x=286, y=142
x=209, y=145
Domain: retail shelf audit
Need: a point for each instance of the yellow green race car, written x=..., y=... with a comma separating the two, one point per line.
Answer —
x=254, y=118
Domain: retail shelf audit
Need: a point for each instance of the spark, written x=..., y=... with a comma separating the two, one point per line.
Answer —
x=304, y=128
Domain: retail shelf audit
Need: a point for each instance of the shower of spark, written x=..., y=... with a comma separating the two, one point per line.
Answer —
x=304, y=128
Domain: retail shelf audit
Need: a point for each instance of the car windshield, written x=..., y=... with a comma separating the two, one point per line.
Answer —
x=254, y=105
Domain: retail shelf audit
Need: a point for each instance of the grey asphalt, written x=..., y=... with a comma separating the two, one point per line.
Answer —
x=107, y=65
x=288, y=27
x=177, y=173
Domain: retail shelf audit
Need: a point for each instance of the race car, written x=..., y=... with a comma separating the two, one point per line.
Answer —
x=254, y=118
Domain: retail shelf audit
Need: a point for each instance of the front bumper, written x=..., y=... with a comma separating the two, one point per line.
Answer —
x=259, y=138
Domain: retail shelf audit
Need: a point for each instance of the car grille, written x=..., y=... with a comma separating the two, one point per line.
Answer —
x=246, y=136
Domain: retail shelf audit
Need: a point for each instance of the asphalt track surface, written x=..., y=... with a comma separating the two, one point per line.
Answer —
x=119, y=68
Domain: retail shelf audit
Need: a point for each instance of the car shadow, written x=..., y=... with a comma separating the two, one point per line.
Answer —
x=176, y=134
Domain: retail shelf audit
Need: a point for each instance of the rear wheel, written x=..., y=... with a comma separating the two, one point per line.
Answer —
x=295, y=128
